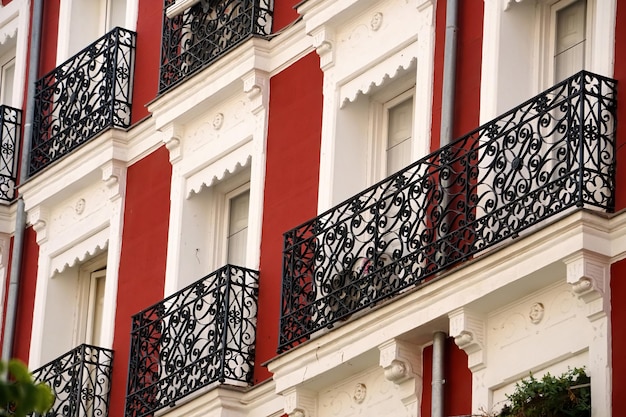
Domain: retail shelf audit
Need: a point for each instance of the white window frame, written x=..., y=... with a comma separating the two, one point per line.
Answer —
x=547, y=42
x=379, y=123
x=7, y=60
x=87, y=275
x=66, y=18
x=228, y=197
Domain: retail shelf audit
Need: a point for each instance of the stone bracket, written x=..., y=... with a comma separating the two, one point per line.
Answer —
x=38, y=216
x=468, y=330
x=402, y=364
x=323, y=40
x=300, y=402
x=114, y=176
x=172, y=134
x=256, y=86
x=588, y=274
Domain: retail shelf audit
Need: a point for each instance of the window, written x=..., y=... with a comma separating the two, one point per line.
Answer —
x=399, y=115
x=83, y=21
x=7, y=77
x=566, y=39
x=391, y=120
x=237, y=235
x=570, y=39
x=95, y=305
x=90, y=307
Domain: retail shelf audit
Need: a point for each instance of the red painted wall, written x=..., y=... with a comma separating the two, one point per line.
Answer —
x=468, y=68
x=26, y=296
x=49, y=36
x=458, y=385
x=620, y=75
x=147, y=58
x=618, y=336
x=284, y=14
x=142, y=263
x=291, y=185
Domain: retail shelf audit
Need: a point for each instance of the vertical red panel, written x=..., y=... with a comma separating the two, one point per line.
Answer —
x=143, y=257
x=291, y=185
x=49, y=36
x=147, y=58
x=284, y=14
x=618, y=336
x=620, y=75
x=468, y=68
x=26, y=296
x=458, y=381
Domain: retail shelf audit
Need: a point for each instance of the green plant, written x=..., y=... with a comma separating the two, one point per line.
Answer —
x=568, y=395
x=19, y=394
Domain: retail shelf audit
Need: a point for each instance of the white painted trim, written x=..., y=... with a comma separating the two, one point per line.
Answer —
x=179, y=7
x=414, y=310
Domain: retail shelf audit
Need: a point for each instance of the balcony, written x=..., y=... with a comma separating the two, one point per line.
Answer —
x=82, y=97
x=10, y=128
x=199, y=337
x=201, y=34
x=552, y=154
x=80, y=381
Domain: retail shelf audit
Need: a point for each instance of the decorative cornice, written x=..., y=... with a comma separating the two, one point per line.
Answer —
x=588, y=274
x=78, y=253
x=400, y=61
x=468, y=330
x=229, y=164
x=506, y=4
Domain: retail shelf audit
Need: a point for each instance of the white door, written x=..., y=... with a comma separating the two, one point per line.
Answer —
x=570, y=40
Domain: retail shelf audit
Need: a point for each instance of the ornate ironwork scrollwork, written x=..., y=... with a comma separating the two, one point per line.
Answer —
x=205, y=32
x=552, y=153
x=82, y=97
x=80, y=381
x=10, y=127
x=202, y=335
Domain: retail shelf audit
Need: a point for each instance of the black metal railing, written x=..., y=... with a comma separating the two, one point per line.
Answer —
x=10, y=133
x=82, y=97
x=205, y=32
x=80, y=381
x=202, y=335
x=552, y=153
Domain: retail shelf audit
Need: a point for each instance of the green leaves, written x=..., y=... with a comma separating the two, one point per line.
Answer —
x=568, y=395
x=19, y=394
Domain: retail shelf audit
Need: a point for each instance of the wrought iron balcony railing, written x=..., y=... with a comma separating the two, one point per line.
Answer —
x=205, y=32
x=80, y=381
x=10, y=129
x=202, y=335
x=552, y=153
x=82, y=97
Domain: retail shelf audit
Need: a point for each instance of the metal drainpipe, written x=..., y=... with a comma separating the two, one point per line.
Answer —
x=20, y=218
x=439, y=341
x=449, y=74
x=447, y=120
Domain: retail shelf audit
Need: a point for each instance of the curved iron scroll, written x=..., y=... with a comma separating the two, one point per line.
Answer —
x=207, y=31
x=552, y=153
x=80, y=381
x=82, y=97
x=10, y=127
x=202, y=335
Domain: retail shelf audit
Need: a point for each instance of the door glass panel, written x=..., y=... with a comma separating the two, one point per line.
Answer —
x=399, y=130
x=238, y=228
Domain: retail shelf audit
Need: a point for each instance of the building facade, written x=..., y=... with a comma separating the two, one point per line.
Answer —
x=312, y=208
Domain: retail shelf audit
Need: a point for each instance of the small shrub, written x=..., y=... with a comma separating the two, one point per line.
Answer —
x=568, y=395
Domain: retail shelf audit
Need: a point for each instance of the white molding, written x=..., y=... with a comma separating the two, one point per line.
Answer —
x=78, y=252
x=179, y=7
x=300, y=402
x=468, y=330
x=409, y=313
x=402, y=364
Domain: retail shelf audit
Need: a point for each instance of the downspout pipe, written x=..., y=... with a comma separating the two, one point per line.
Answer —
x=447, y=120
x=449, y=73
x=437, y=405
x=20, y=217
